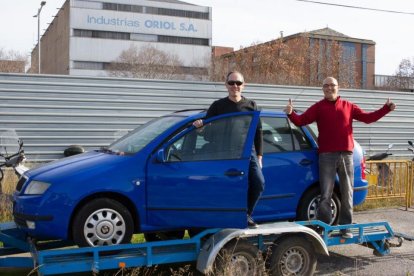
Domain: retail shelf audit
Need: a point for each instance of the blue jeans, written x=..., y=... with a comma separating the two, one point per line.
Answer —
x=256, y=183
x=330, y=164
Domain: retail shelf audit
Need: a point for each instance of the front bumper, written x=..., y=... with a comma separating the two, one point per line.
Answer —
x=37, y=221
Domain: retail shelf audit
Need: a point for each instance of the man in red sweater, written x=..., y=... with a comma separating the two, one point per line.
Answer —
x=334, y=117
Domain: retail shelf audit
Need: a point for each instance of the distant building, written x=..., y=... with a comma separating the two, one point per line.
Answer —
x=86, y=36
x=355, y=65
x=12, y=66
x=220, y=50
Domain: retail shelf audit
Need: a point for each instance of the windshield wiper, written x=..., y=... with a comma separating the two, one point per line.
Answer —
x=105, y=150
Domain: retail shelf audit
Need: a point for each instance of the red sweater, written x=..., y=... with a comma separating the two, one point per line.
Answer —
x=334, y=121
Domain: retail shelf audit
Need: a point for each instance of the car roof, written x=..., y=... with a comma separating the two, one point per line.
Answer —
x=193, y=112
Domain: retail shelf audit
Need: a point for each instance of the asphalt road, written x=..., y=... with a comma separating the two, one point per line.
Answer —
x=357, y=260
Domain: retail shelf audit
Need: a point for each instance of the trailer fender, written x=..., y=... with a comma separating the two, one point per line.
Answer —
x=216, y=242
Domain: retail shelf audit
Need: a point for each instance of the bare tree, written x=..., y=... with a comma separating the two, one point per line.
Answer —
x=147, y=62
x=297, y=61
x=12, y=61
x=404, y=76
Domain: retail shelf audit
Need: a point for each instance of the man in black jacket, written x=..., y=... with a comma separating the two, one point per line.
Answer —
x=235, y=102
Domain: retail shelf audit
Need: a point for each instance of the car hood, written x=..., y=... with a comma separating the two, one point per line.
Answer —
x=91, y=162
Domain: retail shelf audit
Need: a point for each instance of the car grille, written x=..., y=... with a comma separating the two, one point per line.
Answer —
x=20, y=184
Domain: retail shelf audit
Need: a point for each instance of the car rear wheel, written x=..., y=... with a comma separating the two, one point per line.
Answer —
x=102, y=221
x=292, y=256
x=310, y=203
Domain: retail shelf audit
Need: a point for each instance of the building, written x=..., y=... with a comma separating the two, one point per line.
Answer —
x=12, y=66
x=86, y=36
x=306, y=58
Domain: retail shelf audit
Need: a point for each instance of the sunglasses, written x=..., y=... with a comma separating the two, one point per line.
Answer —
x=231, y=83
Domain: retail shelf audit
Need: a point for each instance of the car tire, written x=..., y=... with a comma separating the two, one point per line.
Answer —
x=239, y=258
x=310, y=202
x=102, y=221
x=292, y=256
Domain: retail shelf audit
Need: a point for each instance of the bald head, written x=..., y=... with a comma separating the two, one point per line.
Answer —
x=329, y=80
x=330, y=88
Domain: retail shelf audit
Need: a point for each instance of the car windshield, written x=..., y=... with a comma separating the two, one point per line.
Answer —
x=141, y=136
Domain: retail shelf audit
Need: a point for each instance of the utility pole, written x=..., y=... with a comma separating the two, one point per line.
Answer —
x=38, y=33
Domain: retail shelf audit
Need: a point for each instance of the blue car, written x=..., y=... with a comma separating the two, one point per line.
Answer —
x=167, y=176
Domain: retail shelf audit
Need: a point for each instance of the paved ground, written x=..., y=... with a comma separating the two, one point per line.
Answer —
x=358, y=260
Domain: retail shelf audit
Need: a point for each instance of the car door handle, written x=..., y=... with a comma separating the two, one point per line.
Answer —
x=305, y=162
x=234, y=173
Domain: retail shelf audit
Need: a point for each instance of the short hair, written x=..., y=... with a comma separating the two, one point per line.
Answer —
x=233, y=72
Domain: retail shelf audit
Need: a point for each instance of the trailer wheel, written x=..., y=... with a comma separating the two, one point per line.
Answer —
x=102, y=221
x=310, y=202
x=164, y=236
x=239, y=258
x=292, y=256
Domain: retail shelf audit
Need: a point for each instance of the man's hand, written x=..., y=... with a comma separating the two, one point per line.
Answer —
x=390, y=104
x=259, y=159
x=198, y=123
x=289, y=108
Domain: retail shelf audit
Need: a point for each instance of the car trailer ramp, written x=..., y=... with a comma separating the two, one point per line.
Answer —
x=376, y=235
x=56, y=257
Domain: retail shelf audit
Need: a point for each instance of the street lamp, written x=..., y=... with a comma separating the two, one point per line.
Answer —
x=38, y=32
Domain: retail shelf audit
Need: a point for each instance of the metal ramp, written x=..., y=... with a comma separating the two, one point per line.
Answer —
x=375, y=235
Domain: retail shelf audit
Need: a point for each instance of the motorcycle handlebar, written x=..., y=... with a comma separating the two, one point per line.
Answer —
x=379, y=156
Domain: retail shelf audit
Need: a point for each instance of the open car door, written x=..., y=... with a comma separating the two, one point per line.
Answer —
x=199, y=178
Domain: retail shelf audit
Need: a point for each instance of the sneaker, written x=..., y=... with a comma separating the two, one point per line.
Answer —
x=251, y=222
x=346, y=234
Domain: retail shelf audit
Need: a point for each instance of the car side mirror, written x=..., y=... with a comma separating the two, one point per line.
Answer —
x=160, y=156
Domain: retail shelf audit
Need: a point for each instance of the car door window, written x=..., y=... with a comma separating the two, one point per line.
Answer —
x=300, y=140
x=280, y=136
x=220, y=139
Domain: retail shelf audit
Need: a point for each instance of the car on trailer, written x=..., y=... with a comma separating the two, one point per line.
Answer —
x=167, y=176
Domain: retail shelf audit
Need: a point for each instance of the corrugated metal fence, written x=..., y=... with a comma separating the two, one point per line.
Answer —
x=52, y=112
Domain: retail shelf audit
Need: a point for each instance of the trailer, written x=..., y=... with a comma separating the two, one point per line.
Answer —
x=291, y=247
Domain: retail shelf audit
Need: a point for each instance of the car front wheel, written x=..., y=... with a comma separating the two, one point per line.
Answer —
x=102, y=221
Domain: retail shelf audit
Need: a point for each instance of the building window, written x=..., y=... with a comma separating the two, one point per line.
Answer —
x=110, y=6
x=155, y=10
x=141, y=37
x=101, y=34
x=82, y=33
x=88, y=65
x=144, y=37
x=183, y=40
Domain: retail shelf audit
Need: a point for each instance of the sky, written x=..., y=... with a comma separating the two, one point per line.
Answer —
x=239, y=23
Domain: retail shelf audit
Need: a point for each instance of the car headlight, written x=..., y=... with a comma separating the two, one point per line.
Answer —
x=36, y=188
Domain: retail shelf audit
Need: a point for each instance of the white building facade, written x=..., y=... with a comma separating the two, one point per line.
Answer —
x=98, y=31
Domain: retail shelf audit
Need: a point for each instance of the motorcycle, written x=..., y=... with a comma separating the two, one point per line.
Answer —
x=411, y=148
x=12, y=153
x=382, y=178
